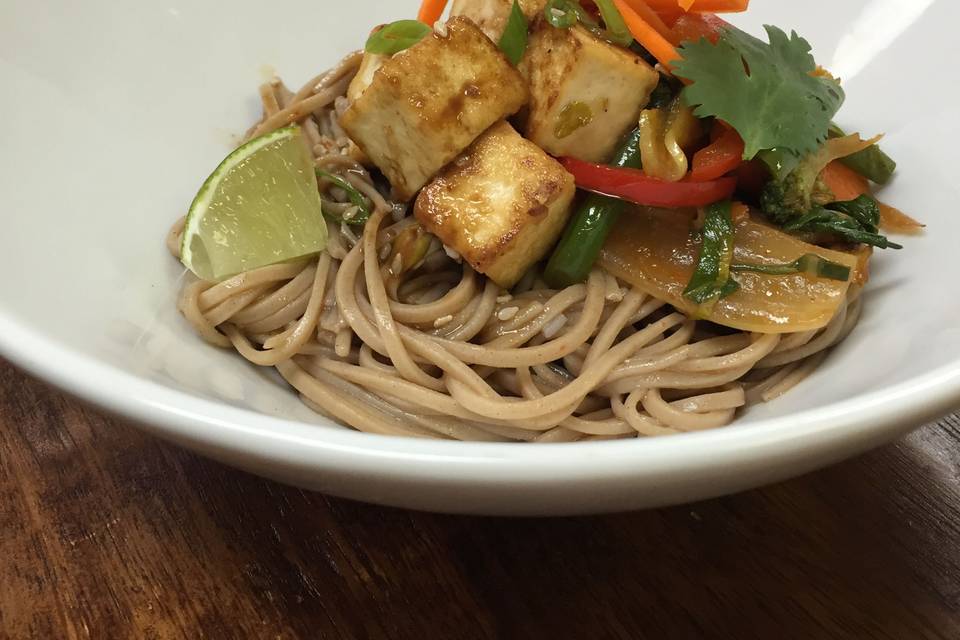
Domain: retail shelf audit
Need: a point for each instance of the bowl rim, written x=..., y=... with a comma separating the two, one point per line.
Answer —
x=183, y=417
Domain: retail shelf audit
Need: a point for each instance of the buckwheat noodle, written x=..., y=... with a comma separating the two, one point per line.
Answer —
x=439, y=351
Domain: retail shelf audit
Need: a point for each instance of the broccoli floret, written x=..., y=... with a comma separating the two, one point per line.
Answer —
x=794, y=195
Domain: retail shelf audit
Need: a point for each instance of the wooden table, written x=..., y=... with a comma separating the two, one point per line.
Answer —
x=107, y=533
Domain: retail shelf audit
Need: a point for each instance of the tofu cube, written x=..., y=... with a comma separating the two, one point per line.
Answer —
x=501, y=205
x=492, y=15
x=364, y=78
x=368, y=66
x=585, y=93
x=426, y=104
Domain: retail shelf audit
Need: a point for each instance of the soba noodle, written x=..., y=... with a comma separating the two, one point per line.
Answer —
x=438, y=351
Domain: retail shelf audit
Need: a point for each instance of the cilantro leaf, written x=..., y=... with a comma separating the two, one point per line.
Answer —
x=764, y=91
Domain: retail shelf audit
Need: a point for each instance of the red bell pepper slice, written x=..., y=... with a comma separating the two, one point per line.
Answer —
x=694, y=26
x=637, y=187
x=719, y=158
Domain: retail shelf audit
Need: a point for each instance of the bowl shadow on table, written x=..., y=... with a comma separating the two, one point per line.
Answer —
x=836, y=550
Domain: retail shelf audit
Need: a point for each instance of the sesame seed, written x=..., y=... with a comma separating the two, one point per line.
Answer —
x=440, y=28
x=504, y=299
x=508, y=313
x=440, y=322
x=452, y=253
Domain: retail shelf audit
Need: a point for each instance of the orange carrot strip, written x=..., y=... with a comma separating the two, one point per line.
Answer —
x=431, y=10
x=648, y=37
x=652, y=18
x=845, y=183
x=709, y=6
x=896, y=221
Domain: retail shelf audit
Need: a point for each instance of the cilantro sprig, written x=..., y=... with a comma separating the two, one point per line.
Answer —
x=766, y=91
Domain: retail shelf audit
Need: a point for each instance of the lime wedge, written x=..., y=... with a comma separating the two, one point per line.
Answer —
x=261, y=206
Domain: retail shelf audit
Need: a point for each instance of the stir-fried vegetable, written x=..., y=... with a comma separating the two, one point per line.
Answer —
x=665, y=137
x=810, y=264
x=617, y=31
x=711, y=6
x=564, y=14
x=896, y=221
x=843, y=182
x=855, y=221
x=637, y=187
x=585, y=234
x=396, y=36
x=648, y=36
x=711, y=276
x=693, y=27
x=514, y=40
x=872, y=163
x=655, y=251
x=776, y=104
x=796, y=192
x=359, y=210
x=652, y=18
x=719, y=158
x=431, y=10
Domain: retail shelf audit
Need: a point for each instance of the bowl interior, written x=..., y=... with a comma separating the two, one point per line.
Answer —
x=116, y=112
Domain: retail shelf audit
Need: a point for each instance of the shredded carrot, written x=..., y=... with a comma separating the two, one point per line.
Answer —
x=704, y=6
x=431, y=10
x=845, y=183
x=896, y=221
x=648, y=37
x=652, y=18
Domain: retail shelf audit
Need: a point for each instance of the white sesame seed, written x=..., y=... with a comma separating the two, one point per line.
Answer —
x=553, y=327
x=440, y=322
x=615, y=295
x=440, y=28
x=508, y=313
x=385, y=251
x=557, y=13
x=351, y=213
x=504, y=299
x=397, y=265
x=452, y=253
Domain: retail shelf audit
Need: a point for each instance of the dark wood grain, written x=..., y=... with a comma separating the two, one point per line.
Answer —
x=107, y=533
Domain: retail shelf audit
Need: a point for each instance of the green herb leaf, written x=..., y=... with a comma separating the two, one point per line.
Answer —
x=764, y=91
x=397, y=36
x=711, y=277
x=617, y=31
x=810, y=263
x=357, y=199
x=513, y=42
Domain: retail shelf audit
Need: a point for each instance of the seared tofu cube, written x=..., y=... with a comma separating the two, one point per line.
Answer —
x=492, y=15
x=585, y=93
x=426, y=104
x=368, y=66
x=501, y=205
x=364, y=78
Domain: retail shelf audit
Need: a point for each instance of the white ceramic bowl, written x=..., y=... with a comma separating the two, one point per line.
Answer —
x=113, y=113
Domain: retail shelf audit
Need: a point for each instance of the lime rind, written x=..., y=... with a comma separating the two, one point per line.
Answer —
x=260, y=206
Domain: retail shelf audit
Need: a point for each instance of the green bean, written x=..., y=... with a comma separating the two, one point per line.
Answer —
x=872, y=163
x=585, y=234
